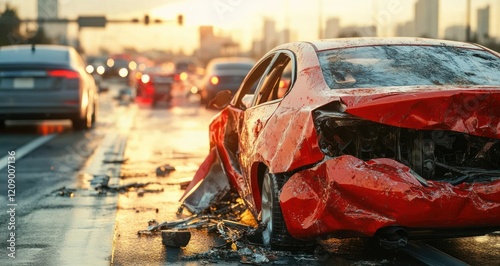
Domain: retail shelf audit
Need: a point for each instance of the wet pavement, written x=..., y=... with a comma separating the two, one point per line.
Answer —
x=174, y=135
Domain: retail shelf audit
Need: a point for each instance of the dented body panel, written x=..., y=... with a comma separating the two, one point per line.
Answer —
x=344, y=195
x=357, y=160
x=468, y=110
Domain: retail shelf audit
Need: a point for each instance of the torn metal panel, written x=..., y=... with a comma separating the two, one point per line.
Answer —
x=346, y=196
x=201, y=172
x=209, y=185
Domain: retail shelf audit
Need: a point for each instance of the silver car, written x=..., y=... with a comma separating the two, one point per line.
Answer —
x=46, y=82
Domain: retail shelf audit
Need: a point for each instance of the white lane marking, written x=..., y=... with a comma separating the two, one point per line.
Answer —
x=27, y=148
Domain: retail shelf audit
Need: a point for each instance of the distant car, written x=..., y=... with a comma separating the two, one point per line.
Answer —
x=224, y=73
x=46, y=82
x=394, y=138
x=156, y=84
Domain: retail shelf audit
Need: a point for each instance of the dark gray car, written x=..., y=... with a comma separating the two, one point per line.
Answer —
x=46, y=82
x=224, y=73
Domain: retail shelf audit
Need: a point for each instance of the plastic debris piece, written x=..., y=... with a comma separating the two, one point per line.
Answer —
x=64, y=192
x=175, y=238
x=117, y=161
x=164, y=170
x=99, y=180
x=182, y=182
x=127, y=187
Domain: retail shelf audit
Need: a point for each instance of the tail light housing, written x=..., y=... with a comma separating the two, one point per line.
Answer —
x=214, y=80
x=63, y=73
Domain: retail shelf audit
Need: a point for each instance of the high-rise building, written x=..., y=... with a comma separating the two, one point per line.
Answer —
x=332, y=29
x=212, y=46
x=483, y=24
x=58, y=32
x=427, y=18
x=406, y=29
x=270, y=35
x=358, y=31
x=455, y=33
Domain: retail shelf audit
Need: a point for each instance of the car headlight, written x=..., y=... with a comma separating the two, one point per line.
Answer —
x=145, y=78
x=89, y=69
x=100, y=70
x=123, y=72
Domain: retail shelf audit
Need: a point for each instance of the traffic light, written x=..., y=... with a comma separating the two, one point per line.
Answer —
x=146, y=19
x=180, y=20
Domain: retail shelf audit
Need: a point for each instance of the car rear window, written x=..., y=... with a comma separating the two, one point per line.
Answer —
x=406, y=65
x=26, y=55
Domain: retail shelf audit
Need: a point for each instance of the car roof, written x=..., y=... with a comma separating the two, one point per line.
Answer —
x=224, y=60
x=327, y=44
x=215, y=66
x=54, y=54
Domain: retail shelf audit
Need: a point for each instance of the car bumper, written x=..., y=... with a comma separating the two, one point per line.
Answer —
x=29, y=113
x=348, y=197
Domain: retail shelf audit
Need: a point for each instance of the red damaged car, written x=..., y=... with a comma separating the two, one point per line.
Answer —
x=393, y=138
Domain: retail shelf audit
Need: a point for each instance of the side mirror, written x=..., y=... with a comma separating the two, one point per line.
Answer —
x=221, y=100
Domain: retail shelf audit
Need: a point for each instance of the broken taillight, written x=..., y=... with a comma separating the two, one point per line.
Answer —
x=63, y=73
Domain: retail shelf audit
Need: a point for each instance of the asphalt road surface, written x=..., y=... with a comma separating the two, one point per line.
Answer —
x=60, y=218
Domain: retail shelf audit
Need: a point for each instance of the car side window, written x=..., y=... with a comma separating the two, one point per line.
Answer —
x=273, y=85
x=251, y=81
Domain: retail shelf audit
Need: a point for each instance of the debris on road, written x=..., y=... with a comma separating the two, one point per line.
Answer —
x=164, y=170
x=174, y=238
x=64, y=192
x=132, y=175
x=101, y=180
x=182, y=182
x=117, y=161
x=192, y=222
x=139, y=187
x=222, y=216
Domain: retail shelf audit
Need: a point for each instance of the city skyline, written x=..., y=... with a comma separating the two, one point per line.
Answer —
x=243, y=21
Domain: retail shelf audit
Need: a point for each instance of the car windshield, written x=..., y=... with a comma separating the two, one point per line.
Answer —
x=403, y=65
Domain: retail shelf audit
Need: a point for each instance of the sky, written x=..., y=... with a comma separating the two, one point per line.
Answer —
x=241, y=19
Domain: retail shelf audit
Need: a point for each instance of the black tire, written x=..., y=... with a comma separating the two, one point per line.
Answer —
x=2, y=123
x=275, y=234
x=93, y=118
x=82, y=123
x=79, y=124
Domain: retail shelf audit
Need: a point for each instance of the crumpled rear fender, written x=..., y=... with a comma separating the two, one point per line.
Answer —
x=347, y=197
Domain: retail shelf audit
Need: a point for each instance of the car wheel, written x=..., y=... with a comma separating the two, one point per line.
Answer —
x=82, y=123
x=2, y=123
x=79, y=123
x=93, y=118
x=275, y=234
